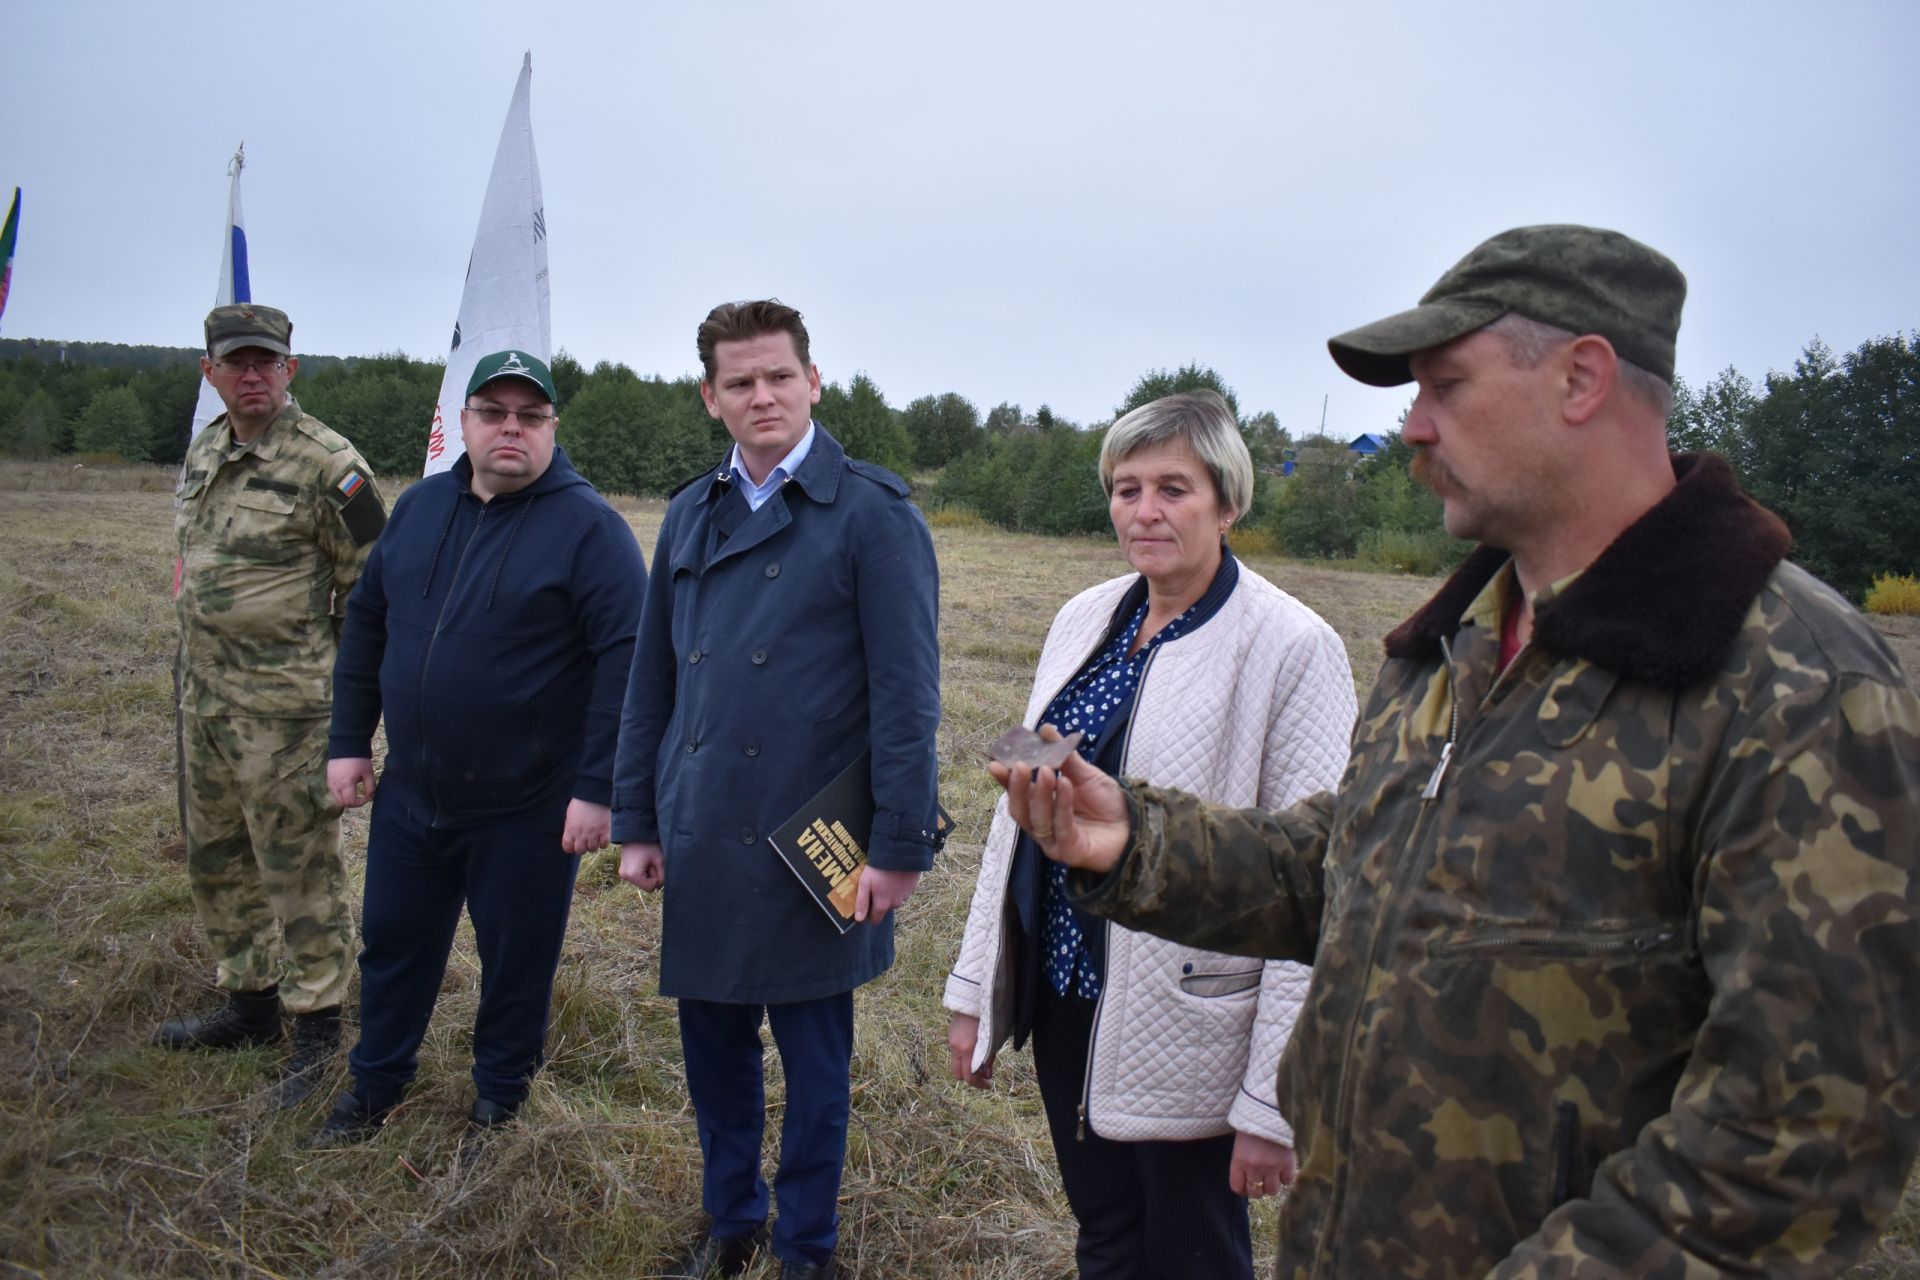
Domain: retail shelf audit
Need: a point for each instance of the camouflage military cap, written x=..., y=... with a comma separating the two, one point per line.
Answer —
x=242, y=324
x=1581, y=279
x=513, y=364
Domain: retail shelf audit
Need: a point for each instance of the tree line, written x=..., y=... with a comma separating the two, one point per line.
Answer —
x=1833, y=444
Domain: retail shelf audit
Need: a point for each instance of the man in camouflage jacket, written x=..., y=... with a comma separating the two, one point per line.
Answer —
x=1614, y=919
x=275, y=514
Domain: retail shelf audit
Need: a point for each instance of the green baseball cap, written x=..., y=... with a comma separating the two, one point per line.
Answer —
x=513, y=364
x=242, y=324
x=1581, y=279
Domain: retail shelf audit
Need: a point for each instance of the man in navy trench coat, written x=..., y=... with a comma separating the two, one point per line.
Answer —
x=789, y=626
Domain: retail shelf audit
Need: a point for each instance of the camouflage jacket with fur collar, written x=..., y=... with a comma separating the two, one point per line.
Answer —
x=1614, y=953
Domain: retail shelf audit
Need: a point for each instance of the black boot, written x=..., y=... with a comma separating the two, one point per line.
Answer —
x=352, y=1120
x=316, y=1041
x=248, y=1018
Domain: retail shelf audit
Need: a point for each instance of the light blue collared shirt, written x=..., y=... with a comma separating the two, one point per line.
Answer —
x=781, y=473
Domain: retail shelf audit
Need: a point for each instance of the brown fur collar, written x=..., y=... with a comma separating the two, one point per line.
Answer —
x=1661, y=604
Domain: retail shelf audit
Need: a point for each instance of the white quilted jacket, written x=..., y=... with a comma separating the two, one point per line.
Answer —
x=1255, y=707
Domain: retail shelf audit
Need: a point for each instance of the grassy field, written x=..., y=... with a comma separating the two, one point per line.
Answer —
x=117, y=1159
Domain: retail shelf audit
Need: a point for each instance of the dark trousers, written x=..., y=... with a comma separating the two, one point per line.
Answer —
x=517, y=884
x=1147, y=1210
x=724, y=1058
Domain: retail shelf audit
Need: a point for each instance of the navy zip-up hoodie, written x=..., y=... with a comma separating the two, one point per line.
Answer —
x=496, y=638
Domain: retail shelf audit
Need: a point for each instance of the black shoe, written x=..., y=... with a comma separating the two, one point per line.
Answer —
x=488, y=1114
x=351, y=1121
x=808, y=1270
x=713, y=1255
x=316, y=1042
x=248, y=1018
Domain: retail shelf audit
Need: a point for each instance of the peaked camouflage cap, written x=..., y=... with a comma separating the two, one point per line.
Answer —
x=1582, y=279
x=513, y=364
x=243, y=324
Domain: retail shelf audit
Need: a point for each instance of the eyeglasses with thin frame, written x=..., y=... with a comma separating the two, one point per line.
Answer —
x=261, y=367
x=493, y=415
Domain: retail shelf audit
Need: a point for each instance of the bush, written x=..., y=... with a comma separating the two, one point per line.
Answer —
x=1894, y=594
x=1040, y=482
x=1430, y=553
x=1254, y=542
x=955, y=516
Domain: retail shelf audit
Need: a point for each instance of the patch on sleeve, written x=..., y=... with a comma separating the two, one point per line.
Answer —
x=361, y=510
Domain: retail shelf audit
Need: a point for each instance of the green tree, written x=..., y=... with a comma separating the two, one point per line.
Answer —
x=866, y=428
x=1266, y=439
x=1713, y=418
x=1386, y=496
x=1319, y=508
x=569, y=379
x=629, y=434
x=1156, y=383
x=1002, y=419
x=33, y=428
x=1834, y=448
x=169, y=395
x=941, y=428
x=114, y=422
x=384, y=404
x=1039, y=482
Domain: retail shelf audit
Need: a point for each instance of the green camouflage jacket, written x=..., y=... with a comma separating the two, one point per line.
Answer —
x=271, y=536
x=1616, y=955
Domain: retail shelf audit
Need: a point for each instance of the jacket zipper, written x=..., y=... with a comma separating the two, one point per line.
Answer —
x=1106, y=925
x=426, y=661
x=1343, y=1112
x=1432, y=790
x=999, y=946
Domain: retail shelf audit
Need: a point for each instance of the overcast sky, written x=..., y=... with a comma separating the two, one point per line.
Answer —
x=1030, y=202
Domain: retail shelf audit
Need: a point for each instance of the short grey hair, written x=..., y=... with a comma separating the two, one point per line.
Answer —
x=1528, y=341
x=1204, y=422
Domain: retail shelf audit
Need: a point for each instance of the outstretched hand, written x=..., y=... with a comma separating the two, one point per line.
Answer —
x=1076, y=813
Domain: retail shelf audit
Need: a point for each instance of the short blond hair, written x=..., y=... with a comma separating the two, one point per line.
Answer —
x=1202, y=420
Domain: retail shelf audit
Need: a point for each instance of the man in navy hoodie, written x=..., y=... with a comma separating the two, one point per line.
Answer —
x=494, y=626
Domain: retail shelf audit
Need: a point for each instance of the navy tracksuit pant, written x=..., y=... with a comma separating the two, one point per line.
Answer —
x=725, y=1078
x=516, y=883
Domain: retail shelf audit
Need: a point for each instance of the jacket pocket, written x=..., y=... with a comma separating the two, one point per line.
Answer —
x=1212, y=986
x=1571, y=942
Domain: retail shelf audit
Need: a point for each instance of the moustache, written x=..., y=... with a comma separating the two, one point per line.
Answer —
x=1431, y=473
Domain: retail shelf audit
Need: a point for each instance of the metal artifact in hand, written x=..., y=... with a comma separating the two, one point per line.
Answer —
x=1022, y=748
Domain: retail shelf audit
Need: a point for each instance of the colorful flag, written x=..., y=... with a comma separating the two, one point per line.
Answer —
x=7, y=237
x=234, y=286
x=505, y=301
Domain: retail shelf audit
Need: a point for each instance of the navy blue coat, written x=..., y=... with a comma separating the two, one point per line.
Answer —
x=496, y=637
x=776, y=646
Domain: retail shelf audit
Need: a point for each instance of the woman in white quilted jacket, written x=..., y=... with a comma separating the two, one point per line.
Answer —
x=1156, y=1062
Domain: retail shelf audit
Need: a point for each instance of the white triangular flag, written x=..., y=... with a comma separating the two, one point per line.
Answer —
x=505, y=302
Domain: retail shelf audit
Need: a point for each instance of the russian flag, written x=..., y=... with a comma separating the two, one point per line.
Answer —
x=235, y=283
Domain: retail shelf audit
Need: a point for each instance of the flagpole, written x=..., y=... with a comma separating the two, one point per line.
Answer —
x=505, y=302
x=234, y=285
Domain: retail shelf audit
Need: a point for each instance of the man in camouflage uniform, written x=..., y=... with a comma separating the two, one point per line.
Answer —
x=1615, y=917
x=275, y=516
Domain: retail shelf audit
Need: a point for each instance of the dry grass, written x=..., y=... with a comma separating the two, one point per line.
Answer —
x=117, y=1159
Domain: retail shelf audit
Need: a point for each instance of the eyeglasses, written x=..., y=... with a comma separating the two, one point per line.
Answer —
x=261, y=367
x=493, y=415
